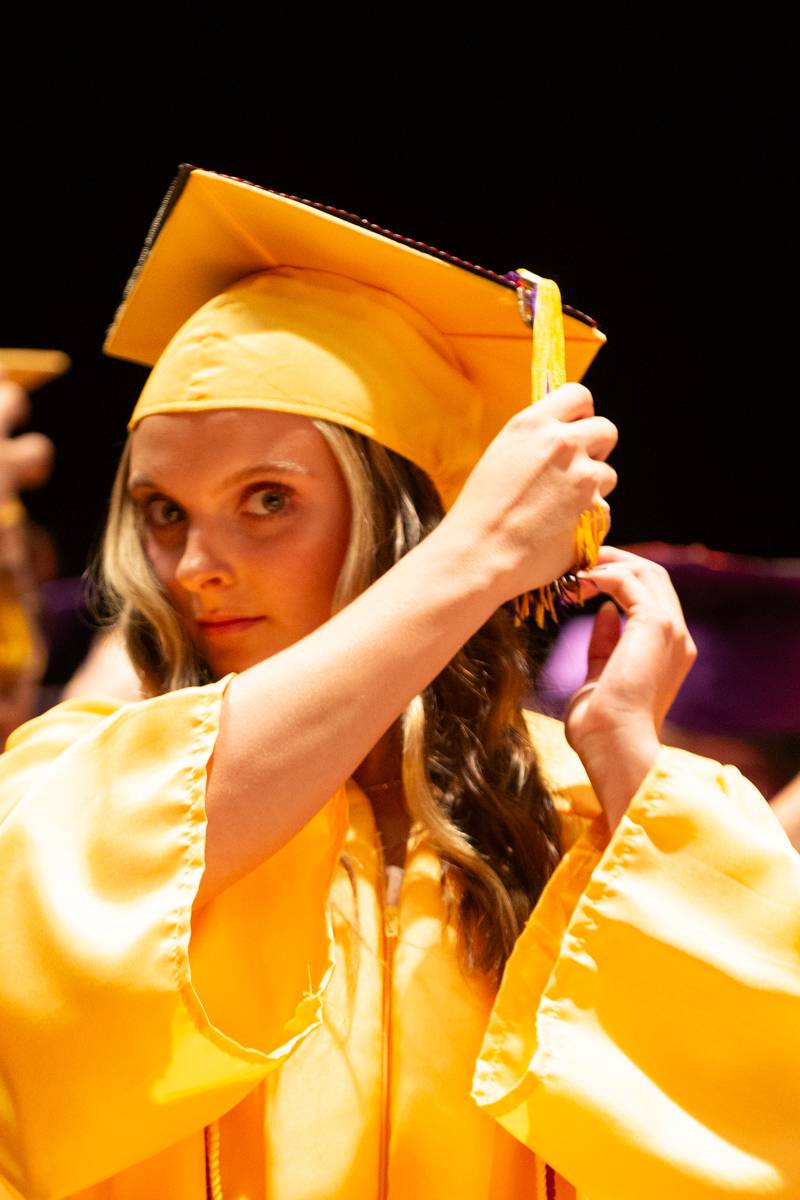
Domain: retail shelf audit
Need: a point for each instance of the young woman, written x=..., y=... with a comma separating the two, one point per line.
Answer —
x=293, y=926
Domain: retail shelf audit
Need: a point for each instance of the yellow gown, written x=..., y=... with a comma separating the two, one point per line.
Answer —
x=299, y=1039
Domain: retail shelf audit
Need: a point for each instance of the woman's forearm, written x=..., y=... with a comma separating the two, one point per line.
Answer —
x=295, y=726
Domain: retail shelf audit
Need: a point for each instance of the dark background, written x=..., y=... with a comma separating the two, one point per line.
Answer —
x=662, y=208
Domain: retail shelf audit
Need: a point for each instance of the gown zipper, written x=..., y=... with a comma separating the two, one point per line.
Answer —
x=390, y=914
x=546, y=1185
x=213, y=1178
x=389, y=924
x=390, y=921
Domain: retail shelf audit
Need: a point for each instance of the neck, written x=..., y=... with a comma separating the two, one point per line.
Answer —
x=384, y=763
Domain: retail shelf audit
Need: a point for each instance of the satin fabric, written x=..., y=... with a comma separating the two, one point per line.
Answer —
x=296, y=341
x=644, y=1039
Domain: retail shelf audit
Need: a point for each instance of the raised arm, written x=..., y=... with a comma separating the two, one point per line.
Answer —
x=296, y=725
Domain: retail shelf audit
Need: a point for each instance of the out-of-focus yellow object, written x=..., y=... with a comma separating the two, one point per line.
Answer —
x=22, y=650
x=32, y=369
x=20, y=647
x=644, y=1041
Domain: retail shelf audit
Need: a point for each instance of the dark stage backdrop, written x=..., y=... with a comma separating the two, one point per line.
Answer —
x=669, y=224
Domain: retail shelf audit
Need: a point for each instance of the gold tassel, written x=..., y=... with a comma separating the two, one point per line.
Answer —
x=540, y=305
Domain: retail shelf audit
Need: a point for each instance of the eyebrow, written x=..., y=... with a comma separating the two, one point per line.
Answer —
x=273, y=467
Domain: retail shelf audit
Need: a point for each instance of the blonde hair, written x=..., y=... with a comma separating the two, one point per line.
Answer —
x=470, y=772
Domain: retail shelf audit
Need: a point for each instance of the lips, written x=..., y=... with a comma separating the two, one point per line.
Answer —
x=226, y=623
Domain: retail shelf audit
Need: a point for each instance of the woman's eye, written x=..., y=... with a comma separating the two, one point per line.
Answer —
x=159, y=511
x=269, y=500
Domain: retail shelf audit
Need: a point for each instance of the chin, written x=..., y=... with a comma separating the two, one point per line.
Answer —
x=222, y=660
x=224, y=664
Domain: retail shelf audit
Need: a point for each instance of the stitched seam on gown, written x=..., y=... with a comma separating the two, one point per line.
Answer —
x=489, y=1063
x=192, y=785
x=311, y=1001
x=623, y=846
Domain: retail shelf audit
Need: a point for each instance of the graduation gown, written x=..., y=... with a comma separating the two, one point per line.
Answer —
x=297, y=1038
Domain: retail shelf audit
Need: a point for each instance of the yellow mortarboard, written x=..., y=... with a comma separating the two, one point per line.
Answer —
x=32, y=369
x=244, y=297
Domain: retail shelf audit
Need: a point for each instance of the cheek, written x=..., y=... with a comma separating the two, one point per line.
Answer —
x=162, y=563
x=308, y=571
x=310, y=566
x=335, y=544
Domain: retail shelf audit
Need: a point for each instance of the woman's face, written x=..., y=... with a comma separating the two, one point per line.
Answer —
x=246, y=521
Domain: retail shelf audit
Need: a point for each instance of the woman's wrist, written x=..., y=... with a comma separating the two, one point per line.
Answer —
x=465, y=559
x=617, y=763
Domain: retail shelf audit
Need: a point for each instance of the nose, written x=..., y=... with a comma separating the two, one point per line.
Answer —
x=203, y=562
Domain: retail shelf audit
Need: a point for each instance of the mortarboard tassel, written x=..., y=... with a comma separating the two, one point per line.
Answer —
x=540, y=307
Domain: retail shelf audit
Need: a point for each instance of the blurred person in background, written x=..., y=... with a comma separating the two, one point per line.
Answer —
x=25, y=462
x=50, y=647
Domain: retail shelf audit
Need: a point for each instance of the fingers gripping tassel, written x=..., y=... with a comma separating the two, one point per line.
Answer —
x=539, y=302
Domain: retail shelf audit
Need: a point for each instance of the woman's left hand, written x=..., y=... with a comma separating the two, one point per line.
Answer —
x=614, y=720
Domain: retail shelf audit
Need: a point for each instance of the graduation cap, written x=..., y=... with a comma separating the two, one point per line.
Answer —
x=245, y=297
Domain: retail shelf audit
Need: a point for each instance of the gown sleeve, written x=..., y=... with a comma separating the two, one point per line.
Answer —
x=125, y=1019
x=645, y=1040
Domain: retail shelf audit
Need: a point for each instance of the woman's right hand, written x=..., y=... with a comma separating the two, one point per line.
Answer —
x=522, y=502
